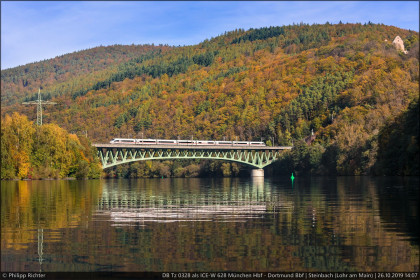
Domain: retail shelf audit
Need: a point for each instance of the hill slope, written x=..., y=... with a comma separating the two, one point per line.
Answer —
x=21, y=82
x=345, y=82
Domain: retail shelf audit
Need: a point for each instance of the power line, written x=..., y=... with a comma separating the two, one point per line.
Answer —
x=39, y=104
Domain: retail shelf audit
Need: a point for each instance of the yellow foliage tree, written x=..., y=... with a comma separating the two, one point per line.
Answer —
x=16, y=138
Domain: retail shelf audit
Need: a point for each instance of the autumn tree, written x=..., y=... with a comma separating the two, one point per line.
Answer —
x=16, y=146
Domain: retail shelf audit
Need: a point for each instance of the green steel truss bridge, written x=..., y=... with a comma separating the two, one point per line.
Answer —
x=254, y=156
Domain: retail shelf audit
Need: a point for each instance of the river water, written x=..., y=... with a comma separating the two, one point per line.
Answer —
x=225, y=224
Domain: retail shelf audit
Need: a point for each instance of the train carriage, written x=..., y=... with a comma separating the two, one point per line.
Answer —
x=184, y=142
x=166, y=142
x=146, y=141
x=123, y=141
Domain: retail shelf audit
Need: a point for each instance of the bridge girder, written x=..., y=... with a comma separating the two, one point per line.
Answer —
x=256, y=158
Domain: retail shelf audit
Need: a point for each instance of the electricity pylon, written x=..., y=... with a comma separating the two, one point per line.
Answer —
x=39, y=104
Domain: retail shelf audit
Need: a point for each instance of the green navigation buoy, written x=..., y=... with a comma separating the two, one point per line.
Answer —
x=292, y=178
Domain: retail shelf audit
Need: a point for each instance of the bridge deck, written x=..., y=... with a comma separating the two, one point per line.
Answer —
x=191, y=147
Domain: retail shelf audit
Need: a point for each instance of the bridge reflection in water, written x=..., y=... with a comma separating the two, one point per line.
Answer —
x=247, y=203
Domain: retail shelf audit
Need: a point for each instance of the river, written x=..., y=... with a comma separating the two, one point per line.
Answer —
x=224, y=224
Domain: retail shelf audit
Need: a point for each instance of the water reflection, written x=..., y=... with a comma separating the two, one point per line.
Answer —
x=318, y=224
x=27, y=206
x=181, y=200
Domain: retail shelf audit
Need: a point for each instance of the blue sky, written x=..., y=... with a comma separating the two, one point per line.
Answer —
x=32, y=31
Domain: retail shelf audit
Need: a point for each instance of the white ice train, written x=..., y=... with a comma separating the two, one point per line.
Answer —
x=183, y=142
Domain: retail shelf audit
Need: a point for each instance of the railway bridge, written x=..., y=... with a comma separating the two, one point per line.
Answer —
x=257, y=157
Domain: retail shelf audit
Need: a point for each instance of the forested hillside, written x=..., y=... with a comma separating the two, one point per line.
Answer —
x=81, y=68
x=346, y=82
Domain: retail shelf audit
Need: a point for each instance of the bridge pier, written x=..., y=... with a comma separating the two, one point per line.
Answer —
x=257, y=172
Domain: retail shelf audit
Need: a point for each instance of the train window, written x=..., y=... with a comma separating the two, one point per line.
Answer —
x=224, y=142
x=146, y=141
x=166, y=141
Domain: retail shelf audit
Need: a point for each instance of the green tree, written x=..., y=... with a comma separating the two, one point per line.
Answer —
x=50, y=151
x=398, y=152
